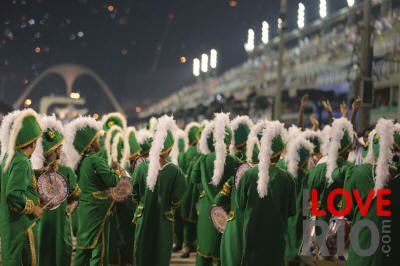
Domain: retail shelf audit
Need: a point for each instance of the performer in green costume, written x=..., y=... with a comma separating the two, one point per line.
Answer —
x=374, y=174
x=19, y=197
x=232, y=242
x=54, y=226
x=176, y=158
x=158, y=186
x=331, y=171
x=145, y=139
x=95, y=178
x=108, y=121
x=266, y=194
x=240, y=127
x=215, y=169
x=191, y=196
x=298, y=154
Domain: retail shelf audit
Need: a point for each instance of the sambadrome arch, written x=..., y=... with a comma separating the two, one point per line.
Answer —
x=70, y=73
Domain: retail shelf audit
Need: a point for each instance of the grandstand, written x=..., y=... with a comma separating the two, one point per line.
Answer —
x=322, y=59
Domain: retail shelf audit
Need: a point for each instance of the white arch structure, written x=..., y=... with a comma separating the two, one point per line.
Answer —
x=69, y=73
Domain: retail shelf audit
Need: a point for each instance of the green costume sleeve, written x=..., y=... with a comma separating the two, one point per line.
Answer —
x=292, y=194
x=16, y=186
x=223, y=197
x=135, y=183
x=195, y=175
x=179, y=188
x=241, y=198
x=107, y=174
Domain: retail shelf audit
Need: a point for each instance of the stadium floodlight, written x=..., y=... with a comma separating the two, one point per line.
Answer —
x=322, y=8
x=279, y=23
x=204, y=62
x=301, y=16
x=249, y=46
x=213, y=58
x=196, y=67
x=350, y=3
x=265, y=32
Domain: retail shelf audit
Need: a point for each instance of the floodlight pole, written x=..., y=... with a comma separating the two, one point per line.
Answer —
x=278, y=95
x=365, y=66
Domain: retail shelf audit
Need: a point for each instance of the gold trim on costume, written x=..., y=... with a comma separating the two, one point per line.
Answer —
x=28, y=206
x=176, y=204
x=34, y=182
x=231, y=217
x=167, y=150
x=96, y=240
x=94, y=194
x=238, y=148
x=189, y=220
x=77, y=191
x=167, y=217
x=54, y=147
x=134, y=155
x=207, y=256
x=90, y=142
x=202, y=194
x=226, y=189
x=345, y=148
x=31, y=238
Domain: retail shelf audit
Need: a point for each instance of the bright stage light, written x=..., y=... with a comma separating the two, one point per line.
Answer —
x=204, y=62
x=249, y=46
x=213, y=58
x=265, y=32
x=350, y=3
x=301, y=16
x=196, y=67
x=322, y=8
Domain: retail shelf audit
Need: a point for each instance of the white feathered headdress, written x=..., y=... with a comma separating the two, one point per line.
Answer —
x=273, y=129
x=292, y=158
x=5, y=131
x=235, y=123
x=179, y=134
x=16, y=127
x=114, y=149
x=48, y=122
x=253, y=139
x=217, y=126
x=115, y=114
x=108, y=142
x=164, y=124
x=70, y=131
x=339, y=127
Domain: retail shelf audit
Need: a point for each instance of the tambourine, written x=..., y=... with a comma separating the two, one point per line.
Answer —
x=240, y=172
x=308, y=251
x=53, y=189
x=336, y=224
x=218, y=217
x=122, y=190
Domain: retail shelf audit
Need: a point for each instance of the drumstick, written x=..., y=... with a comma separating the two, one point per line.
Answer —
x=45, y=206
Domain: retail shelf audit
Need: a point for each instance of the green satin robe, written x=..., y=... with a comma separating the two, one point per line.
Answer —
x=154, y=216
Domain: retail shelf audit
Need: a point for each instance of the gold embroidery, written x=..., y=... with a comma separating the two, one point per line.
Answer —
x=28, y=206
x=207, y=256
x=169, y=218
x=96, y=193
x=31, y=239
x=176, y=204
x=77, y=191
x=34, y=182
x=231, y=216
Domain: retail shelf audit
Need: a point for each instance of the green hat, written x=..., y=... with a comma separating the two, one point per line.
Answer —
x=112, y=119
x=252, y=150
x=192, y=131
x=25, y=130
x=84, y=137
x=315, y=138
x=134, y=147
x=168, y=142
x=346, y=143
x=118, y=149
x=181, y=144
x=396, y=137
x=146, y=146
x=51, y=139
x=228, y=135
x=278, y=146
x=299, y=150
x=240, y=126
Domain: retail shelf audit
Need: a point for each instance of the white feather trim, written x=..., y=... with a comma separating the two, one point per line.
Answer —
x=253, y=139
x=385, y=129
x=119, y=115
x=235, y=123
x=16, y=127
x=127, y=148
x=114, y=149
x=164, y=124
x=370, y=158
x=5, y=131
x=293, y=132
x=48, y=122
x=274, y=128
x=143, y=135
x=70, y=131
x=292, y=157
x=251, y=142
x=326, y=131
x=339, y=126
x=221, y=121
x=309, y=134
x=108, y=142
x=153, y=124
x=179, y=134
x=203, y=145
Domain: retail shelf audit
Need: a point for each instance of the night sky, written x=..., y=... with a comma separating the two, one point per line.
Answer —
x=121, y=39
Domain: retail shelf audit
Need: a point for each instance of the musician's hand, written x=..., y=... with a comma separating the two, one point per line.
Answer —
x=115, y=165
x=304, y=100
x=314, y=122
x=37, y=211
x=356, y=104
x=344, y=109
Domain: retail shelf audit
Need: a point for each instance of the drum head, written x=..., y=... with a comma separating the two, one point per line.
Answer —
x=122, y=190
x=218, y=217
x=54, y=187
x=240, y=171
